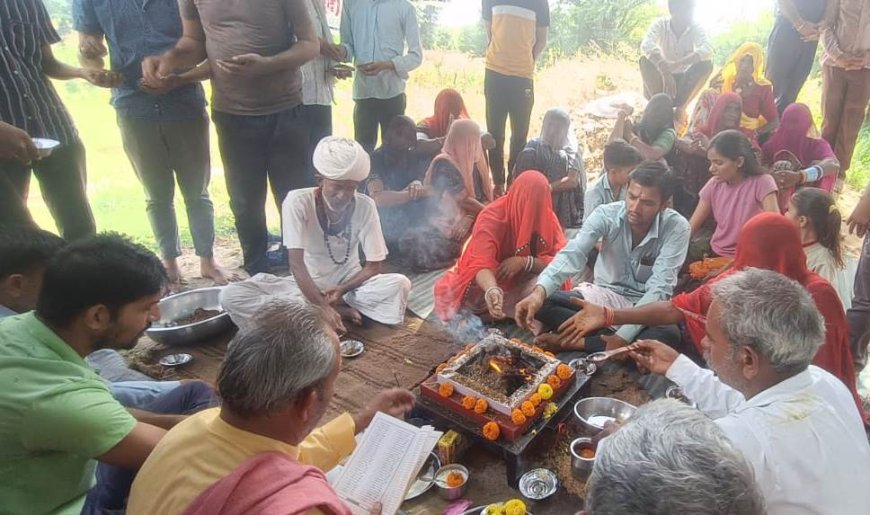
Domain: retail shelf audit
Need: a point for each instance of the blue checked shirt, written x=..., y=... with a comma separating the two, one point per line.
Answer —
x=136, y=29
x=643, y=274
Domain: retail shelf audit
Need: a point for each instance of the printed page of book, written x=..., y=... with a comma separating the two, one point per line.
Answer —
x=384, y=464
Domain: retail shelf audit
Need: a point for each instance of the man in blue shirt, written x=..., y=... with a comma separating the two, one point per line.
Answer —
x=374, y=34
x=164, y=127
x=643, y=246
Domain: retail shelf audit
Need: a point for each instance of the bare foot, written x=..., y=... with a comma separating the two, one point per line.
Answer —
x=350, y=314
x=209, y=269
x=173, y=271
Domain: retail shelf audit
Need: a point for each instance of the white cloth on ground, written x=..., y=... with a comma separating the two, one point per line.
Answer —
x=804, y=438
x=382, y=298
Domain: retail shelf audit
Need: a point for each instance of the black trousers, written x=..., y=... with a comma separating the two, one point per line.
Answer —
x=558, y=308
x=319, y=121
x=507, y=96
x=689, y=82
x=789, y=62
x=369, y=114
x=257, y=149
x=62, y=178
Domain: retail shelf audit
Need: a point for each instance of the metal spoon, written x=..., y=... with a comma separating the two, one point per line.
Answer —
x=600, y=357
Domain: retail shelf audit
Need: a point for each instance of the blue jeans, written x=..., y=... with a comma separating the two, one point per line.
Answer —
x=113, y=483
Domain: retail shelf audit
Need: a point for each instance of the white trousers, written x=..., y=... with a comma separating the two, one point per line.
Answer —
x=383, y=298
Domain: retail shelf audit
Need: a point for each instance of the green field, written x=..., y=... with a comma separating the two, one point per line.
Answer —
x=117, y=198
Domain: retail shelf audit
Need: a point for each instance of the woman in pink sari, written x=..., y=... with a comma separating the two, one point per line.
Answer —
x=798, y=156
x=458, y=186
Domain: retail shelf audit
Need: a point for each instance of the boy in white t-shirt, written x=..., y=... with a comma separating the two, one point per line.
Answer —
x=324, y=229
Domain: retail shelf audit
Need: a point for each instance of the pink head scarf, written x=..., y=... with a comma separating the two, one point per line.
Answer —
x=463, y=150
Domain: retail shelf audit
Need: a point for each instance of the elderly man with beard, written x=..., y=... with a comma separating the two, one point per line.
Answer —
x=58, y=419
x=795, y=423
x=324, y=229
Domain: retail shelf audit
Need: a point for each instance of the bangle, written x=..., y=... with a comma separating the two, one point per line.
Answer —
x=608, y=316
x=813, y=173
x=486, y=293
x=530, y=263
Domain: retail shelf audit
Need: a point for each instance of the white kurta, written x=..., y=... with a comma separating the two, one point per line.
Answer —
x=382, y=298
x=804, y=438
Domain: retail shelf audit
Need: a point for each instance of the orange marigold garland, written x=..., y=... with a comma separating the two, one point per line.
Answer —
x=491, y=431
x=535, y=399
x=518, y=417
x=554, y=382
x=528, y=409
x=481, y=406
x=564, y=372
x=445, y=390
x=468, y=402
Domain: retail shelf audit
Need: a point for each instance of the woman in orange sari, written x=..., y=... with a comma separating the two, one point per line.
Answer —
x=769, y=241
x=514, y=238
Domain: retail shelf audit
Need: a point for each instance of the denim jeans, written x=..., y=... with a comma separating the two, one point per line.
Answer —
x=113, y=483
x=257, y=149
x=62, y=178
x=162, y=152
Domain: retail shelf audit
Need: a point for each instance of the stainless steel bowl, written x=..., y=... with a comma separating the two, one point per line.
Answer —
x=182, y=305
x=594, y=412
x=538, y=484
x=581, y=467
x=446, y=492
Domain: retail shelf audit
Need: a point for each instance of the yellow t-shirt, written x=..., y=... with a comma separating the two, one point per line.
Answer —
x=514, y=25
x=203, y=449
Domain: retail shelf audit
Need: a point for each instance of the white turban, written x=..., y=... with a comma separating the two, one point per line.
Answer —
x=341, y=159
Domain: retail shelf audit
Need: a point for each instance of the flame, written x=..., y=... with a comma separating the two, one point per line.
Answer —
x=493, y=365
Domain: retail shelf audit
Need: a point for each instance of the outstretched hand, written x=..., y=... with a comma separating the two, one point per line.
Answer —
x=590, y=318
x=654, y=356
x=396, y=402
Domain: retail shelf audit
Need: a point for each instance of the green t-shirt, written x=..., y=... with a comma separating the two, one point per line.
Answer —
x=56, y=415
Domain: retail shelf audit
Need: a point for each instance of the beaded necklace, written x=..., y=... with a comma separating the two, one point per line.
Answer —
x=345, y=233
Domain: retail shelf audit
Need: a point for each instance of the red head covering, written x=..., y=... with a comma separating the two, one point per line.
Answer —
x=448, y=102
x=794, y=135
x=505, y=228
x=772, y=242
x=714, y=120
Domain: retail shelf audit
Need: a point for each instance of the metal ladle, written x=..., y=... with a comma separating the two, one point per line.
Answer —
x=601, y=357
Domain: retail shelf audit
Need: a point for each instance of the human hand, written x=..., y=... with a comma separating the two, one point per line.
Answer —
x=859, y=220
x=341, y=71
x=498, y=191
x=376, y=67
x=333, y=319
x=486, y=141
x=101, y=78
x=377, y=509
x=162, y=86
x=786, y=179
x=654, y=356
x=613, y=342
x=809, y=31
x=416, y=190
x=16, y=144
x=494, y=298
x=853, y=62
x=396, y=402
x=246, y=65
x=510, y=267
x=92, y=46
x=461, y=228
x=333, y=296
x=332, y=51
x=591, y=317
x=528, y=307
x=156, y=68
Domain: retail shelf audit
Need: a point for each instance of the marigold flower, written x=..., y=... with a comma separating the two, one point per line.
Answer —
x=518, y=417
x=528, y=409
x=481, y=406
x=554, y=382
x=545, y=391
x=491, y=431
x=445, y=390
x=564, y=372
x=468, y=402
x=535, y=399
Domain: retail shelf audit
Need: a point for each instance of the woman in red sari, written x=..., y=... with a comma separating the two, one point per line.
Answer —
x=768, y=241
x=513, y=239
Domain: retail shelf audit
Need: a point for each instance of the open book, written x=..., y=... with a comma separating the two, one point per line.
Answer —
x=385, y=464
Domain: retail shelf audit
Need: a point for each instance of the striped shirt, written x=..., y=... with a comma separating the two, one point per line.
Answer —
x=27, y=98
x=514, y=29
x=317, y=81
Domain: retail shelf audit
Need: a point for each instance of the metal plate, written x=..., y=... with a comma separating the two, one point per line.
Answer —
x=425, y=479
x=352, y=348
x=176, y=360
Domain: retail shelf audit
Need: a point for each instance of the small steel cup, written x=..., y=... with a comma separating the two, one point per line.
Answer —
x=446, y=492
x=581, y=467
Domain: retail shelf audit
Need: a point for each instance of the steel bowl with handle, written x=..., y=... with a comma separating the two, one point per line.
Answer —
x=184, y=304
x=594, y=409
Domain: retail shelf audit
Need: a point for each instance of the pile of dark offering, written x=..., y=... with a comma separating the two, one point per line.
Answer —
x=198, y=315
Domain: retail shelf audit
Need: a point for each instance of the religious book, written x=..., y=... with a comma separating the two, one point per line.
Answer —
x=384, y=465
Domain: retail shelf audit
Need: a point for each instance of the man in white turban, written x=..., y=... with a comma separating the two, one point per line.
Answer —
x=324, y=229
